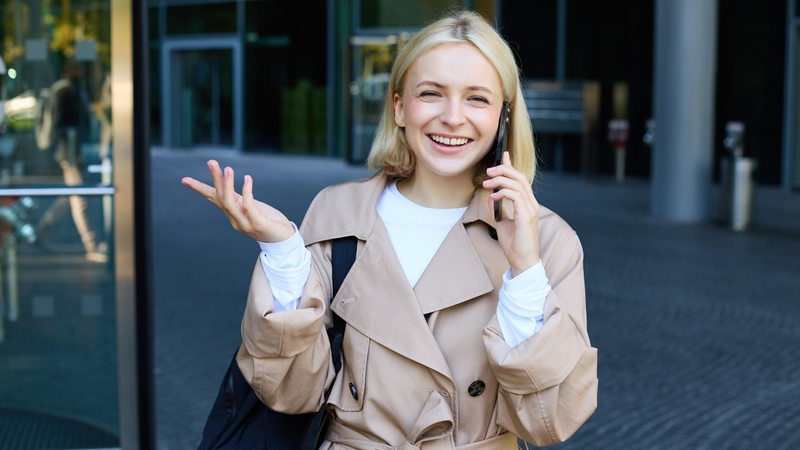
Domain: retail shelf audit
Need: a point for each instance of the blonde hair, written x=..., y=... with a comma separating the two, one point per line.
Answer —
x=390, y=152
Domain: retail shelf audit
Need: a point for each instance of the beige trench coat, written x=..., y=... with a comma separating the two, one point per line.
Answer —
x=447, y=382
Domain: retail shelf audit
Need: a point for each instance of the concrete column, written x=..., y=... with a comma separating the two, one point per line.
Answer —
x=684, y=74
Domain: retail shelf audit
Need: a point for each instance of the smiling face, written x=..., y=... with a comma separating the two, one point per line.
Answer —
x=449, y=108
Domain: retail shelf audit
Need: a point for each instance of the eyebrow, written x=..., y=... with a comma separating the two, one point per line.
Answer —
x=440, y=85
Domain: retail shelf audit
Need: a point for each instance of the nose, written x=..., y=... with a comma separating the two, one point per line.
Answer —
x=453, y=113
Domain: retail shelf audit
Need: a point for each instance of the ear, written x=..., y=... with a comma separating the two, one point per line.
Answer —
x=399, y=113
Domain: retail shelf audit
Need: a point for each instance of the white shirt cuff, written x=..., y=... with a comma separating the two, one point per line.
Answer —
x=520, y=307
x=286, y=265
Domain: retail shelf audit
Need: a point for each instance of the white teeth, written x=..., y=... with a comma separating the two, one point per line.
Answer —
x=449, y=141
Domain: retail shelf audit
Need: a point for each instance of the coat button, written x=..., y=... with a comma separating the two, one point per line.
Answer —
x=476, y=388
x=354, y=391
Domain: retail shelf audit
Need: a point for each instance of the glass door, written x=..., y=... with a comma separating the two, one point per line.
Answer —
x=58, y=322
x=203, y=97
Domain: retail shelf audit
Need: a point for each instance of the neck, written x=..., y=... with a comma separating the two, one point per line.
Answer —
x=438, y=192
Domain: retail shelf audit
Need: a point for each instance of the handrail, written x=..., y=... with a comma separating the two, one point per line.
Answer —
x=56, y=191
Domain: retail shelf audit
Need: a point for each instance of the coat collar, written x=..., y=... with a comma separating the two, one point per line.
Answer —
x=346, y=209
x=350, y=210
x=375, y=298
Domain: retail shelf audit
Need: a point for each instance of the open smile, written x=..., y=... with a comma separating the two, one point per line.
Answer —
x=449, y=141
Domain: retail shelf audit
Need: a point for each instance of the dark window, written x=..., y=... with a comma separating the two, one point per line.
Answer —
x=210, y=18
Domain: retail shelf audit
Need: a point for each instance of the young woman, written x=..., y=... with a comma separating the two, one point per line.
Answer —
x=462, y=332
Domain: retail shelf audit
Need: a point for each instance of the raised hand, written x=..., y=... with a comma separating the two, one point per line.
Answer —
x=518, y=232
x=246, y=214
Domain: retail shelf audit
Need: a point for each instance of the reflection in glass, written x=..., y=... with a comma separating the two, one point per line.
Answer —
x=57, y=299
x=372, y=61
x=64, y=122
x=57, y=352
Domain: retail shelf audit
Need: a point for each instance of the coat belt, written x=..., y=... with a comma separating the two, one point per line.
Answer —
x=344, y=438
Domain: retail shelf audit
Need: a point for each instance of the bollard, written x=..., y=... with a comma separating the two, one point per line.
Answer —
x=736, y=180
x=618, y=134
x=741, y=200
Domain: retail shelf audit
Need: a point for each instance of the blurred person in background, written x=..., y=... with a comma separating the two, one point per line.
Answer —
x=63, y=124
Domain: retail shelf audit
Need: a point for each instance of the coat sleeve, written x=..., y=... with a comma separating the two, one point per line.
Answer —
x=548, y=383
x=285, y=356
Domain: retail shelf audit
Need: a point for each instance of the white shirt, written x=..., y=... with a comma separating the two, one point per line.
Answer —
x=416, y=233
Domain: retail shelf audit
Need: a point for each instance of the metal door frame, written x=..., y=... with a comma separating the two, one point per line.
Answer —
x=201, y=43
x=791, y=115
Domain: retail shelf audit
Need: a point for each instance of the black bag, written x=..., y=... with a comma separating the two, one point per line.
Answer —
x=239, y=420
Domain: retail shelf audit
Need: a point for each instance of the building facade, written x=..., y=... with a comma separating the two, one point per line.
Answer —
x=242, y=75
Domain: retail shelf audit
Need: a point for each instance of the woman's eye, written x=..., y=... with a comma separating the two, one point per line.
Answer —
x=428, y=94
x=479, y=99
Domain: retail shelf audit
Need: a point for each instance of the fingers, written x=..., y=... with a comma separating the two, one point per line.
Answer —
x=228, y=191
x=507, y=170
x=245, y=214
x=219, y=177
x=216, y=172
x=247, y=189
x=247, y=195
x=518, y=236
x=222, y=193
x=201, y=188
x=225, y=193
x=509, y=183
x=506, y=179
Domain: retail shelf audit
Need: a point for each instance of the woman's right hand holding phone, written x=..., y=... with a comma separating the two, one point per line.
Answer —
x=246, y=214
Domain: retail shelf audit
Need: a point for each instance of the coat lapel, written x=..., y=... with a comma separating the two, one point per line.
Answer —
x=460, y=269
x=454, y=275
x=376, y=299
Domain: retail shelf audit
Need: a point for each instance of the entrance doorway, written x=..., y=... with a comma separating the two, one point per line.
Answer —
x=202, y=95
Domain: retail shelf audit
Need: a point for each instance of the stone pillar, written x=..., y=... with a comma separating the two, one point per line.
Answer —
x=684, y=79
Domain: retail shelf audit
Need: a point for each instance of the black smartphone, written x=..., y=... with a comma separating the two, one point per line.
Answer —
x=500, y=147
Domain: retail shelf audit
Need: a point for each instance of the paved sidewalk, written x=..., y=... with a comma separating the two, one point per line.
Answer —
x=697, y=325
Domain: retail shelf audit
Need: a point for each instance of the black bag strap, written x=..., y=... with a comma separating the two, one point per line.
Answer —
x=343, y=255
